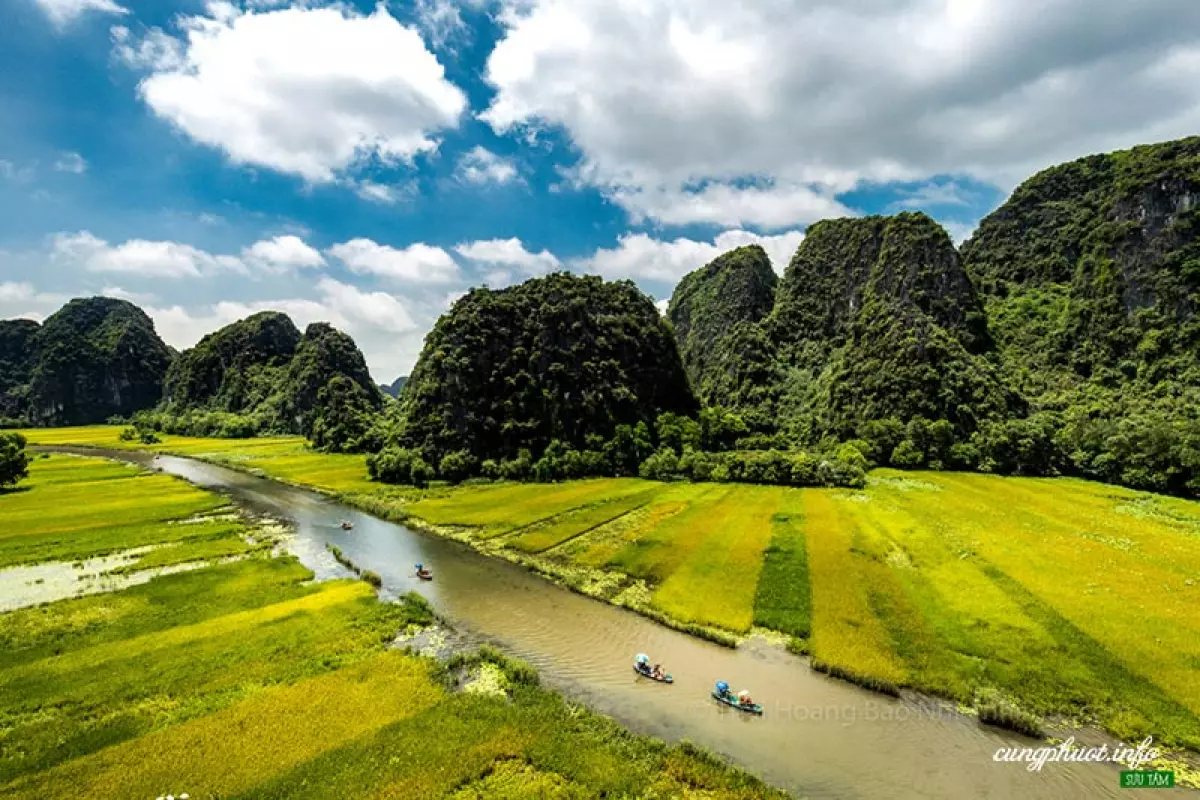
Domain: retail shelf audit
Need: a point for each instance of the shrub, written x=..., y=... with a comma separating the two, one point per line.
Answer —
x=662, y=466
x=398, y=465
x=14, y=461
x=907, y=455
x=372, y=578
x=457, y=466
x=519, y=468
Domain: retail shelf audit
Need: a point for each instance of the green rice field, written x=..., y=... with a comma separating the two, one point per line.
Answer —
x=1064, y=597
x=247, y=679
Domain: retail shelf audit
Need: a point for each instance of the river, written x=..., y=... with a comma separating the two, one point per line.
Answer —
x=818, y=737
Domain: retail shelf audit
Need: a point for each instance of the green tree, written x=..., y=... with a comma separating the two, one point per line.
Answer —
x=14, y=461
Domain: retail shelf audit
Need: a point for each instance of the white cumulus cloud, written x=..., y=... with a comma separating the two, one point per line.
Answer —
x=307, y=91
x=501, y=260
x=168, y=259
x=282, y=253
x=642, y=257
x=158, y=259
x=418, y=263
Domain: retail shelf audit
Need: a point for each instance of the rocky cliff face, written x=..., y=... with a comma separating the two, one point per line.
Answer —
x=1092, y=268
x=736, y=288
x=906, y=262
x=96, y=357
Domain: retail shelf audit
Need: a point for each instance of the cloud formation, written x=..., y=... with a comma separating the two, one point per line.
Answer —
x=501, y=261
x=64, y=12
x=814, y=96
x=71, y=162
x=480, y=166
x=418, y=263
x=642, y=257
x=312, y=92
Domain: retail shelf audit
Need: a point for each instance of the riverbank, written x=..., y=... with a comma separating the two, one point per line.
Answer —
x=248, y=679
x=1058, y=598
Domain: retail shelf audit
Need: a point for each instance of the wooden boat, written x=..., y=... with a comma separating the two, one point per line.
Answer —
x=347, y=525
x=753, y=708
x=663, y=679
x=423, y=573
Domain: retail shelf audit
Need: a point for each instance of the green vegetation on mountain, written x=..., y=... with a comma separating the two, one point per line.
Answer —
x=94, y=358
x=874, y=324
x=17, y=337
x=565, y=377
x=564, y=358
x=1091, y=276
x=261, y=374
x=234, y=369
x=735, y=289
x=1065, y=339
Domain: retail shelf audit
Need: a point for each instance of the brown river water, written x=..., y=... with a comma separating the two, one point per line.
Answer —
x=818, y=737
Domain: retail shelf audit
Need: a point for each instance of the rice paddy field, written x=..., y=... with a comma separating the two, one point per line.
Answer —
x=1063, y=597
x=246, y=678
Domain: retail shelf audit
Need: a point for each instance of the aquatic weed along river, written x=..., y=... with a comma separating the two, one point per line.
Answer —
x=818, y=737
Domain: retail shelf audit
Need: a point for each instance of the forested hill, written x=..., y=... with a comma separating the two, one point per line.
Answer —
x=1062, y=339
x=1091, y=271
x=874, y=320
x=737, y=289
x=562, y=357
x=261, y=374
x=99, y=358
x=93, y=358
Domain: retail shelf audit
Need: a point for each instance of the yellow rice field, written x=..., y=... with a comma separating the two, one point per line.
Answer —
x=246, y=679
x=1063, y=596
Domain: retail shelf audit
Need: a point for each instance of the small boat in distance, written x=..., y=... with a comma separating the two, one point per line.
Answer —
x=347, y=525
x=423, y=573
x=641, y=665
x=742, y=702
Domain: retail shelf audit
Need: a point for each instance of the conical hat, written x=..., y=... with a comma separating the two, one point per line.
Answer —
x=642, y=658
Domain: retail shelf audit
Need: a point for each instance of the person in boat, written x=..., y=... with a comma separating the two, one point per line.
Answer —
x=744, y=698
x=723, y=690
x=642, y=663
x=657, y=671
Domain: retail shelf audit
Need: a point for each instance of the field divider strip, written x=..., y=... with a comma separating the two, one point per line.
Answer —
x=591, y=528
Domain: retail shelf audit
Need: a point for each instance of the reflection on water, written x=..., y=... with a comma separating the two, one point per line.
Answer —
x=818, y=737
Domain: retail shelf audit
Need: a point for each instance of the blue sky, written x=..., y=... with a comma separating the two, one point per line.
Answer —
x=366, y=163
